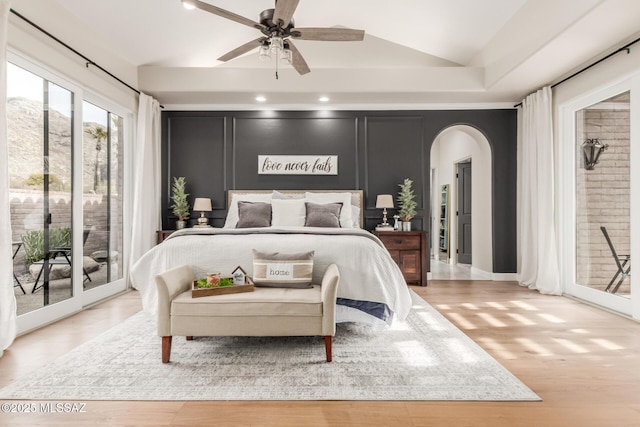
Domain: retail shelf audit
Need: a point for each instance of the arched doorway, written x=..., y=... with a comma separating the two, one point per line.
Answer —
x=455, y=147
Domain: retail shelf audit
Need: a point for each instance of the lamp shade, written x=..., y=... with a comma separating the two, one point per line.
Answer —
x=384, y=201
x=202, y=204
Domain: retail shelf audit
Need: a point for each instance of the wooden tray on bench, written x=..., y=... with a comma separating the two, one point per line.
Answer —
x=223, y=290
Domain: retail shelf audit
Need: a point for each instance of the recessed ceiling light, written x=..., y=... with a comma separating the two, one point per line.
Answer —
x=323, y=99
x=261, y=98
x=189, y=5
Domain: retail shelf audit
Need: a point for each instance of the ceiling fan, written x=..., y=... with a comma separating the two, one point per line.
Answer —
x=277, y=27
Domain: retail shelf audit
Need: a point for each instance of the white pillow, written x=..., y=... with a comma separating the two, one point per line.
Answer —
x=344, y=198
x=355, y=216
x=288, y=213
x=232, y=213
x=282, y=196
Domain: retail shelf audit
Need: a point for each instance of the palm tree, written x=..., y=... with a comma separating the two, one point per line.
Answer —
x=99, y=133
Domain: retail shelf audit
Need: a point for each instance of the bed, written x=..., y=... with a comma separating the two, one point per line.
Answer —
x=372, y=288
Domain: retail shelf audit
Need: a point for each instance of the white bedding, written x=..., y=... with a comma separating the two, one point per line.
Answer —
x=367, y=271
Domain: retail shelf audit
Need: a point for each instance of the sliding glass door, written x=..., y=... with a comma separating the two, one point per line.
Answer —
x=603, y=193
x=66, y=168
x=603, y=222
x=102, y=195
x=40, y=133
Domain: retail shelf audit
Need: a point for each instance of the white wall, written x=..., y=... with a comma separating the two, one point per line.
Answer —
x=454, y=145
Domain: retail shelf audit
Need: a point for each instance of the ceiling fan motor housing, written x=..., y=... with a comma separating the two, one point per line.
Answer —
x=266, y=19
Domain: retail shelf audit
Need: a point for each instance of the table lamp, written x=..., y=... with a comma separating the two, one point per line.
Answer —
x=383, y=202
x=203, y=205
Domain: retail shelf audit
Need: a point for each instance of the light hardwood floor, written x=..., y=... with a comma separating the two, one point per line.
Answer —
x=583, y=362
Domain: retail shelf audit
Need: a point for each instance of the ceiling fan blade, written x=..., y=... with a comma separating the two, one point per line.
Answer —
x=226, y=14
x=328, y=34
x=242, y=49
x=298, y=61
x=284, y=11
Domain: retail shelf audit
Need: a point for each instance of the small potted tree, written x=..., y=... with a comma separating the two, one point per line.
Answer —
x=180, y=202
x=407, y=204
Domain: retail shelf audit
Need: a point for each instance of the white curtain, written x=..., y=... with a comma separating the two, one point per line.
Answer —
x=7, y=297
x=538, y=251
x=146, y=214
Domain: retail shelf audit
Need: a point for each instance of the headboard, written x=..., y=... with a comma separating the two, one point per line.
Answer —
x=357, y=196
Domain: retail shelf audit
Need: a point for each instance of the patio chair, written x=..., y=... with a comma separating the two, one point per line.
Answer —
x=17, y=246
x=623, y=262
x=54, y=260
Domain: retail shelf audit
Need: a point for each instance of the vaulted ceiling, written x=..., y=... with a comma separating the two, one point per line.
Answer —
x=415, y=52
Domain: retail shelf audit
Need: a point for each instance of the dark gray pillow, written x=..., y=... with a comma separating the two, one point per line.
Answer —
x=280, y=270
x=254, y=214
x=323, y=215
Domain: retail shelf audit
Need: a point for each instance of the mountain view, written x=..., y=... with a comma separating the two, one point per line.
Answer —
x=26, y=147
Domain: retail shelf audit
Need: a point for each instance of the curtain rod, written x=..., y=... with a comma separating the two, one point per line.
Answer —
x=626, y=48
x=89, y=61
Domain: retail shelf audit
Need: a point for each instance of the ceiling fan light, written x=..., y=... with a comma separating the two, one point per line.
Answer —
x=286, y=56
x=264, y=54
x=188, y=4
x=276, y=44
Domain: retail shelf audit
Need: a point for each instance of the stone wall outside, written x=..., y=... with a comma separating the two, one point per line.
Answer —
x=602, y=197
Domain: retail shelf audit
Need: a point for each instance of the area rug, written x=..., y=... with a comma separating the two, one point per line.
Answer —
x=423, y=358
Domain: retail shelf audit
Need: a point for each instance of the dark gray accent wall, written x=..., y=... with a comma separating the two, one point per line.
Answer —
x=377, y=150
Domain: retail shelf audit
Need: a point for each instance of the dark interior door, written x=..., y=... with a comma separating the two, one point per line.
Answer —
x=464, y=213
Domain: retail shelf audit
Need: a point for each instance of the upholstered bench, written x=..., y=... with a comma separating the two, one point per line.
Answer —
x=264, y=312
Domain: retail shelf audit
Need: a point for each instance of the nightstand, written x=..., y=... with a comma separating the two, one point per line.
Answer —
x=410, y=251
x=162, y=234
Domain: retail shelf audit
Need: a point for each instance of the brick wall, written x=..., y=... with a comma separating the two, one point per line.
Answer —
x=602, y=196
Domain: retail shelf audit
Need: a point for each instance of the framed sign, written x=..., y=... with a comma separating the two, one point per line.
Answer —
x=297, y=165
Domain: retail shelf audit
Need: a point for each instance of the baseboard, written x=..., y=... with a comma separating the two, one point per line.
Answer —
x=505, y=277
x=478, y=274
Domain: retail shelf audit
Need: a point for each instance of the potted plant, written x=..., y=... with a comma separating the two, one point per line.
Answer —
x=180, y=203
x=407, y=204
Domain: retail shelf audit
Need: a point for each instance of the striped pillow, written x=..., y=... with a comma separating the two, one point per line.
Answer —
x=280, y=270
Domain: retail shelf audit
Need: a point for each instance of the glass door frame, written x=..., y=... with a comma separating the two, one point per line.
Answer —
x=566, y=198
x=49, y=313
x=80, y=299
x=108, y=289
